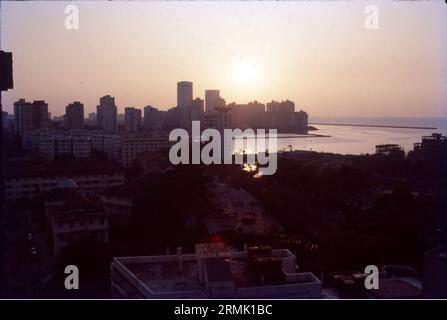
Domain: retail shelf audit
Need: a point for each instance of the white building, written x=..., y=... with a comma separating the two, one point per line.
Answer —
x=213, y=271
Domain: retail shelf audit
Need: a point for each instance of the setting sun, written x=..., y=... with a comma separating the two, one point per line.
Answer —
x=245, y=72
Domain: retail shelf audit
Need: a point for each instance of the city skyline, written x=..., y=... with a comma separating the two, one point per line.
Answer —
x=329, y=51
x=201, y=150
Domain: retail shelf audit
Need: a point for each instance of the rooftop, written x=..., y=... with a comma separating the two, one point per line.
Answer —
x=166, y=277
x=244, y=272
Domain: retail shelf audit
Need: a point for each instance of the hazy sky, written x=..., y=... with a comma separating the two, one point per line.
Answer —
x=318, y=54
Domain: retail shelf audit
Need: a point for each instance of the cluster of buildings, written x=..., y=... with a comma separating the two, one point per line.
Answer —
x=432, y=147
x=142, y=130
x=76, y=200
x=122, y=148
x=214, y=112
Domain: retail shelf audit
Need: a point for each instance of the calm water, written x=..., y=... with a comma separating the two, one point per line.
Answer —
x=358, y=140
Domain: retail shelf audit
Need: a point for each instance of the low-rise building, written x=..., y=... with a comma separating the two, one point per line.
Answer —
x=213, y=271
x=27, y=178
x=135, y=144
x=75, y=142
x=122, y=148
x=72, y=217
x=390, y=150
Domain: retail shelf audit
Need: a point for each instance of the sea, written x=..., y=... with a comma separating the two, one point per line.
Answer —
x=349, y=138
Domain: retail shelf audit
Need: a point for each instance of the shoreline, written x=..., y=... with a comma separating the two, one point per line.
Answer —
x=289, y=136
x=373, y=126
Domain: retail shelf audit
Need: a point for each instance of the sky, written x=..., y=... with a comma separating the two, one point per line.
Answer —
x=318, y=54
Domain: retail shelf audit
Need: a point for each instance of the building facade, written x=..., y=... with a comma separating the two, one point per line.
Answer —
x=30, y=116
x=213, y=101
x=77, y=143
x=184, y=94
x=28, y=179
x=132, y=119
x=135, y=144
x=72, y=217
x=154, y=119
x=106, y=114
x=74, y=116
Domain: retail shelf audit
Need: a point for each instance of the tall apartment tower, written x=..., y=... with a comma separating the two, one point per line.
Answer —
x=184, y=94
x=213, y=101
x=132, y=119
x=74, y=116
x=30, y=116
x=106, y=113
x=197, y=109
x=281, y=115
x=154, y=119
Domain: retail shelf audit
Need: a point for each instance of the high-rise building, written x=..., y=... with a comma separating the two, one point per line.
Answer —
x=107, y=114
x=198, y=104
x=184, y=94
x=280, y=115
x=250, y=115
x=74, y=116
x=120, y=119
x=301, y=120
x=196, y=112
x=30, y=116
x=132, y=119
x=213, y=101
x=283, y=106
x=154, y=119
